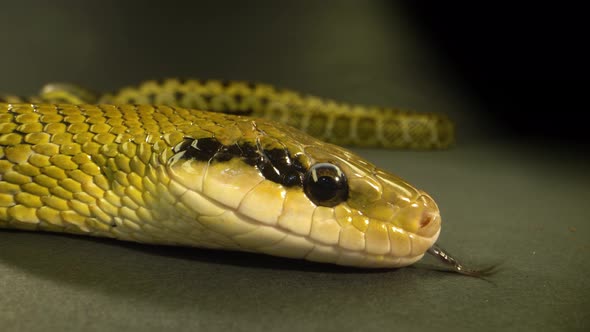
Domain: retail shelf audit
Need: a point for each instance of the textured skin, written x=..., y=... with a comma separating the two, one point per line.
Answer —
x=327, y=120
x=112, y=171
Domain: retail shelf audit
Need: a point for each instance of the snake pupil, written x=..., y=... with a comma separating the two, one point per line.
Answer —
x=325, y=185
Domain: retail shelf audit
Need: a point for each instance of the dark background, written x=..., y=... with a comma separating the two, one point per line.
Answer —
x=513, y=190
x=519, y=68
x=525, y=61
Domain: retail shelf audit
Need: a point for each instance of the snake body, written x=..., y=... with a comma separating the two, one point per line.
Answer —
x=130, y=168
x=327, y=120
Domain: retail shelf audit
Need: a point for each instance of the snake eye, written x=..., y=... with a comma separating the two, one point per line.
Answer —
x=325, y=185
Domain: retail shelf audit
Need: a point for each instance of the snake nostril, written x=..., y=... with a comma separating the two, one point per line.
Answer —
x=426, y=219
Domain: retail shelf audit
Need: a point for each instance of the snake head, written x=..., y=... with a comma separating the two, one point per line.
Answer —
x=270, y=188
x=382, y=222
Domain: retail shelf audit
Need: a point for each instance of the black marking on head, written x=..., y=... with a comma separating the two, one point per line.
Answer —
x=182, y=146
x=249, y=154
x=291, y=178
x=226, y=153
x=269, y=171
x=279, y=157
x=203, y=149
x=276, y=165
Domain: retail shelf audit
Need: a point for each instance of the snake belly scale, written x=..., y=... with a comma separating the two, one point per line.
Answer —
x=171, y=175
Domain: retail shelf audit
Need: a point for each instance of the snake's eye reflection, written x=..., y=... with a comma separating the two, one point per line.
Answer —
x=325, y=184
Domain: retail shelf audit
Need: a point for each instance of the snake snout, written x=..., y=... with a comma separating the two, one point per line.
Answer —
x=426, y=219
x=430, y=219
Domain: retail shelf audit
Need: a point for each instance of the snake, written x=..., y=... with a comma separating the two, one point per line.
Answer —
x=217, y=164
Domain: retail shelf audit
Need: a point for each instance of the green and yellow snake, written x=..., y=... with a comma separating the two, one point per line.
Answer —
x=145, y=164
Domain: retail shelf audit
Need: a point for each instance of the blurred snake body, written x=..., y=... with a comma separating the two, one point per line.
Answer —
x=148, y=164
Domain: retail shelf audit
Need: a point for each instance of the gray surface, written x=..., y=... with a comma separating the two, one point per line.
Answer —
x=499, y=205
x=523, y=204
